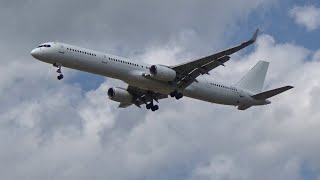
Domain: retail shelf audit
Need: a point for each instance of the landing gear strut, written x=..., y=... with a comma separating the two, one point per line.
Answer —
x=58, y=71
x=176, y=94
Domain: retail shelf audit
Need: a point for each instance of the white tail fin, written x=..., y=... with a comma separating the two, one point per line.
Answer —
x=253, y=81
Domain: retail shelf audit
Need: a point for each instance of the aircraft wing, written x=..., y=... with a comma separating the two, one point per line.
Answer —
x=188, y=72
x=142, y=97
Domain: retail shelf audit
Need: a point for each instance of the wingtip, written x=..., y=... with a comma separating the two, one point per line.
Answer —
x=288, y=87
x=255, y=35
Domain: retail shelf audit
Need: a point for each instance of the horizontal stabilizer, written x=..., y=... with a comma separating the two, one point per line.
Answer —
x=271, y=93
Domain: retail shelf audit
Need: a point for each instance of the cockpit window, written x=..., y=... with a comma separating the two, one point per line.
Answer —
x=45, y=45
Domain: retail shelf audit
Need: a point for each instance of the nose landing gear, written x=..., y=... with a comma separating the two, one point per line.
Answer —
x=60, y=77
x=58, y=71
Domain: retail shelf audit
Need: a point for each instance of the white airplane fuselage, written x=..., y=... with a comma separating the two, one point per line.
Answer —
x=136, y=74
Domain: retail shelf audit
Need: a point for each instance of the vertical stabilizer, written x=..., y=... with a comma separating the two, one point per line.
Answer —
x=253, y=81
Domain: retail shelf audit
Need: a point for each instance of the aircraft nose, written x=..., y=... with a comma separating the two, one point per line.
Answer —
x=35, y=53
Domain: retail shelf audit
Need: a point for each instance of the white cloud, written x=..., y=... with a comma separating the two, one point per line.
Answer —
x=81, y=136
x=52, y=129
x=222, y=167
x=307, y=16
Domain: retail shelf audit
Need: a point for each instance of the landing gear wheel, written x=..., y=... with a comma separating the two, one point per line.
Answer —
x=174, y=93
x=154, y=108
x=60, y=77
x=179, y=96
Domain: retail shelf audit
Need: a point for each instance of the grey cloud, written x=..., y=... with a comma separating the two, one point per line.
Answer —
x=121, y=26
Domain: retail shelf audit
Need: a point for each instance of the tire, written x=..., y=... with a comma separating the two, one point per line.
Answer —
x=60, y=77
x=179, y=96
x=156, y=107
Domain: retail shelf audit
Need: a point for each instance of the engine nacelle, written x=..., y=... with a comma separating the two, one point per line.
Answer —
x=120, y=95
x=162, y=73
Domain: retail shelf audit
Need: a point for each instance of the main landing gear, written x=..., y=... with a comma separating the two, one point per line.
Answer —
x=176, y=94
x=152, y=106
x=58, y=71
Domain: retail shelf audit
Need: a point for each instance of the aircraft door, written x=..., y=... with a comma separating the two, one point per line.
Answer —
x=61, y=49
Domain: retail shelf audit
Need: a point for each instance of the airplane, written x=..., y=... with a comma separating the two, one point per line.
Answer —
x=148, y=83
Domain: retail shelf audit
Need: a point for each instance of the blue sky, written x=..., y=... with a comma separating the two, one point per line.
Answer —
x=277, y=22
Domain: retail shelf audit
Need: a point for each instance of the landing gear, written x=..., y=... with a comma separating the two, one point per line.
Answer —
x=149, y=105
x=176, y=94
x=152, y=107
x=155, y=108
x=179, y=96
x=60, y=77
x=58, y=71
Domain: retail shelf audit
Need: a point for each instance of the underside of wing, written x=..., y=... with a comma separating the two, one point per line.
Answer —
x=191, y=76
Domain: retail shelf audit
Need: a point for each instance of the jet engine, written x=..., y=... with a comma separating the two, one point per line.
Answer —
x=162, y=73
x=120, y=95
